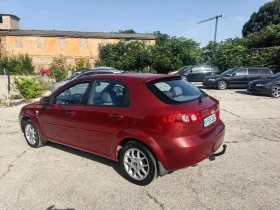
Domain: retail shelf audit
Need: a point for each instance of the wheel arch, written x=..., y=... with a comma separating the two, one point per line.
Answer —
x=34, y=120
x=140, y=137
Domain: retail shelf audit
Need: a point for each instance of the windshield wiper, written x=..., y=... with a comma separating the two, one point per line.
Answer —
x=199, y=99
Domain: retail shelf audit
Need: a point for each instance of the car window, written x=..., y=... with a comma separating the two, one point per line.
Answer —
x=72, y=95
x=265, y=71
x=253, y=71
x=203, y=68
x=241, y=72
x=109, y=93
x=185, y=70
x=174, y=91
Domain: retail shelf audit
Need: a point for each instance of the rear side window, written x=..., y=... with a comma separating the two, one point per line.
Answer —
x=109, y=93
x=253, y=71
x=174, y=90
x=265, y=71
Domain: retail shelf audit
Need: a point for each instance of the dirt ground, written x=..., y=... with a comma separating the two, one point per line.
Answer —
x=57, y=177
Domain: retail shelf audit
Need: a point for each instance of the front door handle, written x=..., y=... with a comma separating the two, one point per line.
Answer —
x=116, y=116
x=70, y=113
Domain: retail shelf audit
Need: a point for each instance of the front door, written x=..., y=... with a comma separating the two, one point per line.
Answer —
x=60, y=118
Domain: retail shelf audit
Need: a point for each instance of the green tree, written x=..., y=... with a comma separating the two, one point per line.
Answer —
x=126, y=56
x=267, y=37
x=227, y=54
x=268, y=14
x=171, y=53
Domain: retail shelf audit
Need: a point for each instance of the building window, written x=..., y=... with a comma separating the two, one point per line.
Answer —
x=40, y=42
x=19, y=42
x=61, y=43
x=84, y=44
x=1, y=19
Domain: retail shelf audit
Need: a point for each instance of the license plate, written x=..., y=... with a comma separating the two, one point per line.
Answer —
x=209, y=120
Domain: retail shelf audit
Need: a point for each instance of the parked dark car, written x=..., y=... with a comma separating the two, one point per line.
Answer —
x=236, y=77
x=268, y=86
x=85, y=73
x=197, y=73
x=151, y=124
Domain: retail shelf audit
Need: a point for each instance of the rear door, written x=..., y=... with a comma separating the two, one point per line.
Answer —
x=238, y=78
x=253, y=73
x=103, y=117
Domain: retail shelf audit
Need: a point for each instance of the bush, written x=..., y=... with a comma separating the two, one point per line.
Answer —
x=29, y=88
x=19, y=65
x=59, y=74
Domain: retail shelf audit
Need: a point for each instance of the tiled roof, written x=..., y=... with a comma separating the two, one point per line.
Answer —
x=54, y=33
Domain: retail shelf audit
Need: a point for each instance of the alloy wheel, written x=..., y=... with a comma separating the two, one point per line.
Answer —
x=275, y=91
x=136, y=164
x=31, y=134
x=222, y=85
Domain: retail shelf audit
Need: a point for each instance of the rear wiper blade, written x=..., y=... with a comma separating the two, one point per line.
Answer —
x=199, y=99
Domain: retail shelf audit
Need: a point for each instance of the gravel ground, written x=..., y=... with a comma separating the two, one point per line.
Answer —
x=58, y=177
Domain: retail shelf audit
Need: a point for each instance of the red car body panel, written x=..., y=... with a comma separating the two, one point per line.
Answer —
x=100, y=129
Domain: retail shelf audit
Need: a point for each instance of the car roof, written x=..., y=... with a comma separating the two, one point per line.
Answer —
x=141, y=76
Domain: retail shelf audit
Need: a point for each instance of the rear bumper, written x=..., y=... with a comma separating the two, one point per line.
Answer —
x=190, y=150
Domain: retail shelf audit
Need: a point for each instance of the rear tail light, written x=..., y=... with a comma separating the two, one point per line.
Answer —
x=184, y=117
x=217, y=111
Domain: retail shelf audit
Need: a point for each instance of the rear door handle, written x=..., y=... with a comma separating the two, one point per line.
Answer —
x=116, y=116
x=70, y=113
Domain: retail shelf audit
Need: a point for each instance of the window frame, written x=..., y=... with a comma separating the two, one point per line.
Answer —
x=91, y=92
x=85, y=96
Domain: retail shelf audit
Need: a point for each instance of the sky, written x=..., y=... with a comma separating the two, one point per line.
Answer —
x=174, y=17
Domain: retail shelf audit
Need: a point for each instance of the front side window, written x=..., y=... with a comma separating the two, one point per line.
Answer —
x=109, y=93
x=174, y=90
x=73, y=95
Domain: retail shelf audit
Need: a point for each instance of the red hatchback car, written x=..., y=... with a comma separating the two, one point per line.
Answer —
x=151, y=124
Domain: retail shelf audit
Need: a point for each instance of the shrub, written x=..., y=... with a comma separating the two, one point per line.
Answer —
x=22, y=64
x=59, y=74
x=29, y=88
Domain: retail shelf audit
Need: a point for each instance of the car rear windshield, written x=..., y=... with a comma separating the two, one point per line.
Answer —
x=175, y=90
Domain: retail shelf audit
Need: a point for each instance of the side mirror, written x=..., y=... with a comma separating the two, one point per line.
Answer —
x=44, y=100
x=233, y=74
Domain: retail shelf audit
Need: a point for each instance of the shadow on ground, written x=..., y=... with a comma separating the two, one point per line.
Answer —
x=244, y=92
x=87, y=155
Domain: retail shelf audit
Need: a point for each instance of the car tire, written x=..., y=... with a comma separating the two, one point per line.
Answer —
x=137, y=163
x=222, y=85
x=31, y=134
x=275, y=91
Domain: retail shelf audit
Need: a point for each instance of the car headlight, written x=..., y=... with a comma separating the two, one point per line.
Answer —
x=259, y=85
x=211, y=80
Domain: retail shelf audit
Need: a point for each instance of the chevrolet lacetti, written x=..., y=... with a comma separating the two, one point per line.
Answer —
x=151, y=124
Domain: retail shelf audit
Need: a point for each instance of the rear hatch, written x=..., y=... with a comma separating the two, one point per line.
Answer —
x=191, y=111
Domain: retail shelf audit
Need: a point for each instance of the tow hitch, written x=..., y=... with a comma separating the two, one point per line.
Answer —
x=213, y=156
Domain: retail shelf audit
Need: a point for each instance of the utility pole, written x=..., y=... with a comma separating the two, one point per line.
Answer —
x=216, y=25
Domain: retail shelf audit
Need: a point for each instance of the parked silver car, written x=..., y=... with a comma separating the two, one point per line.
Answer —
x=89, y=72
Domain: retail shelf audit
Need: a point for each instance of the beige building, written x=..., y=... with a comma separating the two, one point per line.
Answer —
x=43, y=46
x=9, y=22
